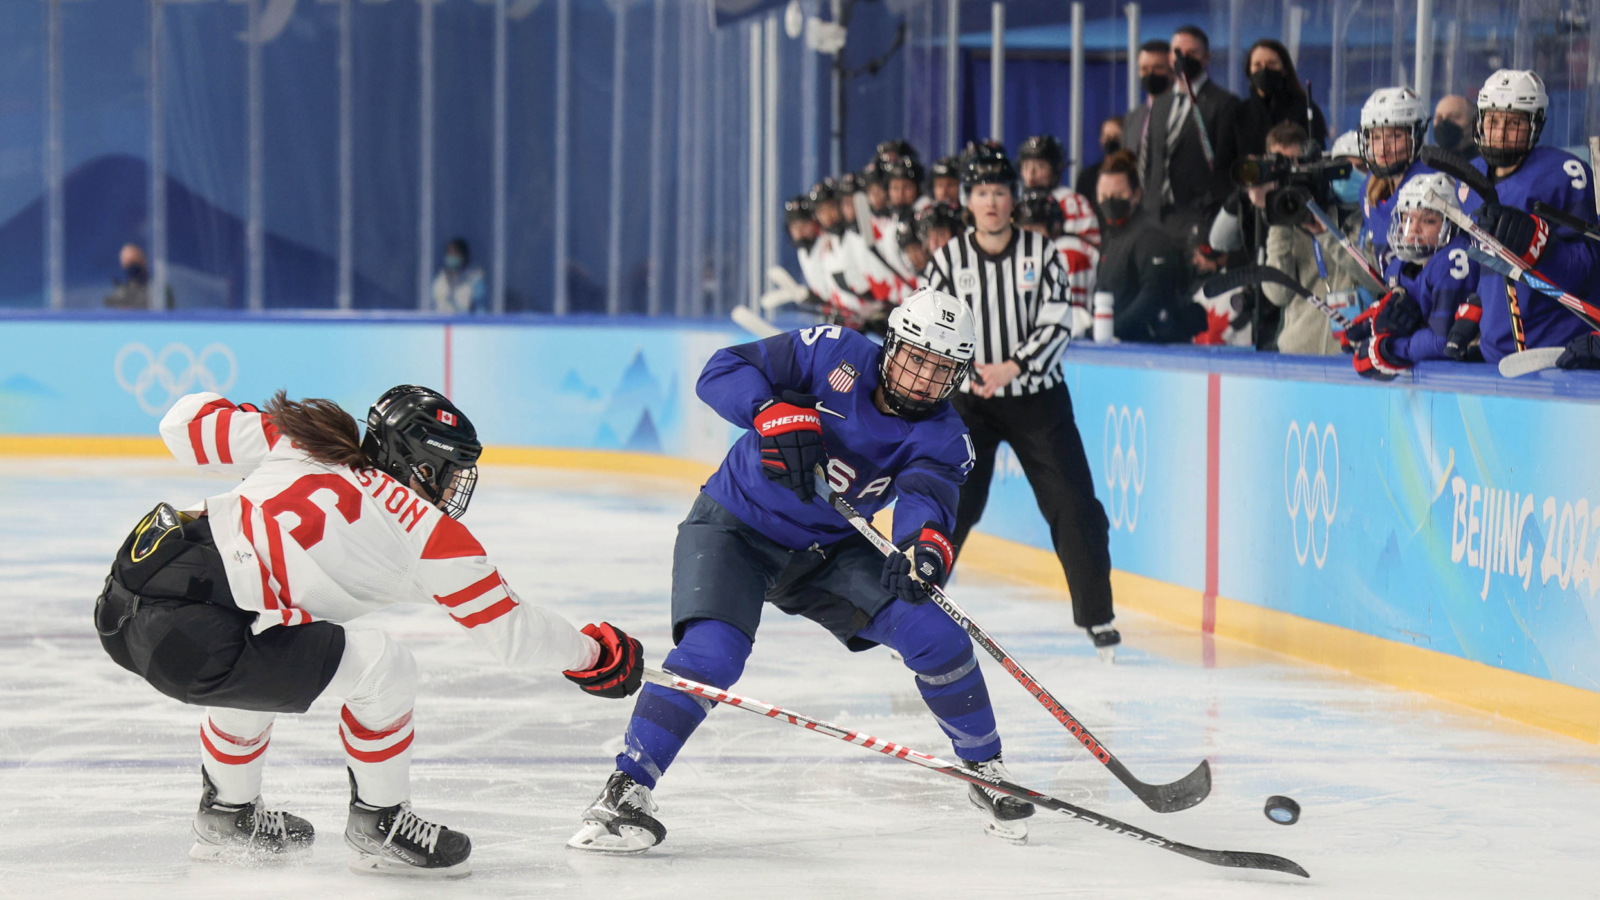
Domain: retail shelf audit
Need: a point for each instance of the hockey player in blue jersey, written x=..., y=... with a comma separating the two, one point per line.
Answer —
x=1511, y=110
x=1432, y=278
x=879, y=421
x=1393, y=121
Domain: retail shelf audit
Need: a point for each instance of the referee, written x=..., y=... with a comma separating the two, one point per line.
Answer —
x=1021, y=294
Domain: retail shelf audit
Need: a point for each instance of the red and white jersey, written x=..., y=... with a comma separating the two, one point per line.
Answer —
x=814, y=265
x=1080, y=260
x=1081, y=220
x=302, y=540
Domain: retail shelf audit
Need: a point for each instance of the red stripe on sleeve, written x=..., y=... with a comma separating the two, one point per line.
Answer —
x=269, y=430
x=224, y=425
x=451, y=540
x=471, y=592
x=195, y=439
x=487, y=615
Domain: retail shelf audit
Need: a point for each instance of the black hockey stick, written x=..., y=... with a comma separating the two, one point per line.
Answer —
x=1163, y=798
x=1237, y=859
x=1566, y=220
x=1246, y=276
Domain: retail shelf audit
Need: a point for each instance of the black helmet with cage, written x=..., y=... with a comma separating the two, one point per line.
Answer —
x=415, y=434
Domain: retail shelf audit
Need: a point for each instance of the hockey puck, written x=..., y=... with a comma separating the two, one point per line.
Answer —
x=1282, y=810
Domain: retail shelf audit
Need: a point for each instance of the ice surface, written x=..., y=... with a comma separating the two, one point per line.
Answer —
x=1402, y=796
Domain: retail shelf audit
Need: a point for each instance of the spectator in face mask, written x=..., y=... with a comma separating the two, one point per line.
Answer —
x=1275, y=95
x=1110, y=142
x=458, y=289
x=134, y=292
x=1141, y=264
x=1454, y=122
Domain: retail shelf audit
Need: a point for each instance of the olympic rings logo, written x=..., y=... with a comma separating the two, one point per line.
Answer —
x=157, y=380
x=1308, y=492
x=1124, y=463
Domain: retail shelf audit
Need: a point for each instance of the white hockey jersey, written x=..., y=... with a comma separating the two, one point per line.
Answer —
x=302, y=540
x=1081, y=220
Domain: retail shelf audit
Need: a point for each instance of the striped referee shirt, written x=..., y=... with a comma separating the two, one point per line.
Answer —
x=1022, y=301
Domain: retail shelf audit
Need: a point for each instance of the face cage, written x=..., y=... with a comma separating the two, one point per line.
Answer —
x=1413, y=251
x=1393, y=168
x=897, y=391
x=1507, y=156
x=462, y=481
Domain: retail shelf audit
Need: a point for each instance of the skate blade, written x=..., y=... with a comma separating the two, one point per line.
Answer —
x=369, y=864
x=223, y=854
x=595, y=837
x=1108, y=655
x=1014, y=831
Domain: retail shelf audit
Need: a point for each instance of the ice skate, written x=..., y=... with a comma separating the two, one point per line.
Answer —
x=392, y=840
x=246, y=832
x=620, y=820
x=1003, y=813
x=1106, y=638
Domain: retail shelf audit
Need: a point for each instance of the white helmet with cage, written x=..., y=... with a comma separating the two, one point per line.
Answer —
x=928, y=352
x=1347, y=144
x=1393, y=107
x=1512, y=90
x=1413, y=237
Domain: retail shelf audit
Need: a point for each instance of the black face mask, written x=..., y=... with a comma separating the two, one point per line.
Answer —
x=1191, y=66
x=1116, y=210
x=1111, y=145
x=1155, y=83
x=135, y=272
x=804, y=243
x=903, y=213
x=1269, y=83
x=1448, y=134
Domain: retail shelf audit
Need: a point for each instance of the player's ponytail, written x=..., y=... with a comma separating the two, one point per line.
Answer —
x=321, y=428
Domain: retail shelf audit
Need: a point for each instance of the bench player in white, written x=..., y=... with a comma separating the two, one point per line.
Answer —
x=235, y=603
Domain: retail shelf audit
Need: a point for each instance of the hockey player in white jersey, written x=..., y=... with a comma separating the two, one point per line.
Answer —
x=235, y=604
x=812, y=246
x=1042, y=160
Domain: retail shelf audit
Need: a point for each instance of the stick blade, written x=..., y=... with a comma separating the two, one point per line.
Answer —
x=746, y=318
x=1242, y=859
x=1179, y=795
x=1460, y=168
x=1529, y=361
x=1245, y=276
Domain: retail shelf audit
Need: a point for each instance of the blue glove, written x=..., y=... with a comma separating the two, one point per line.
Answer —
x=930, y=553
x=1583, y=352
x=1399, y=314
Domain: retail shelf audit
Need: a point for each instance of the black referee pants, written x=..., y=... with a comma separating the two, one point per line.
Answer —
x=1041, y=430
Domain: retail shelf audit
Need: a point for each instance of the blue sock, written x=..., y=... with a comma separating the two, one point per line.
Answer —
x=711, y=652
x=948, y=677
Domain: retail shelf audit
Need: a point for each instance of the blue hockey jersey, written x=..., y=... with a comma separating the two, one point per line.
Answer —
x=1571, y=261
x=872, y=457
x=1438, y=284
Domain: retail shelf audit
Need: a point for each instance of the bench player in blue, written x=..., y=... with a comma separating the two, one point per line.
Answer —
x=879, y=421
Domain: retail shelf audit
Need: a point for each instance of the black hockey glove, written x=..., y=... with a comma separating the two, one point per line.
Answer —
x=930, y=553
x=791, y=441
x=1360, y=329
x=619, y=670
x=1522, y=234
x=1465, y=329
x=1583, y=352
x=1375, y=358
x=1399, y=314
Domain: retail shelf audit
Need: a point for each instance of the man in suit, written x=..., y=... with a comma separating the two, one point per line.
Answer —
x=1175, y=132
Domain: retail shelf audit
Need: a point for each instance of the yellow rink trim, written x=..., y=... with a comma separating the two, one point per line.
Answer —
x=1534, y=701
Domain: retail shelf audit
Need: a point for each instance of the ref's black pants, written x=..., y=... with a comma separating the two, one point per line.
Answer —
x=1041, y=430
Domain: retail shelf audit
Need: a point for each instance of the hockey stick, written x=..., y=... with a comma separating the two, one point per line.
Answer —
x=1458, y=167
x=1244, y=276
x=1531, y=276
x=1163, y=798
x=1349, y=247
x=746, y=318
x=1566, y=220
x=1236, y=859
x=1529, y=361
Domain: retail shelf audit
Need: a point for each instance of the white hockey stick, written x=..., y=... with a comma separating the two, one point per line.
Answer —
x=746, y=318
x=1529, y=361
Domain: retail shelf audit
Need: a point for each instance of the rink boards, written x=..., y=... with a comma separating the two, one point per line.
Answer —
x=1436, y=533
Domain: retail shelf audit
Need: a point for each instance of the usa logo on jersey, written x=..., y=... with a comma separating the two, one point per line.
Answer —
x=843, y=377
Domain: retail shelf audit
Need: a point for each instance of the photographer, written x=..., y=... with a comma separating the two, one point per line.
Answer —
x=1141, y=264
x=1304, y=250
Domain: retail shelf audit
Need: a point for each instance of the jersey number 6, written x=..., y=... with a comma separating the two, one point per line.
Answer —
x=296, y=498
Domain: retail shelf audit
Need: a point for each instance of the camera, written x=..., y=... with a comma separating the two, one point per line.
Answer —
x=1298, y=182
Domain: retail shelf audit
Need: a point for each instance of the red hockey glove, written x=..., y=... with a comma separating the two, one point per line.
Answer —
x=791, y=441
x=1375, y=358
x=1360, y=329
x=930, y=553
x=1524, y=235
x=619, y=670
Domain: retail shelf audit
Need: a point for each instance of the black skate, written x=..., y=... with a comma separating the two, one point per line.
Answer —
x=246, y=832
x=1106, y=638
x=619, y=820
x=1003, y=811
x=392, y=840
